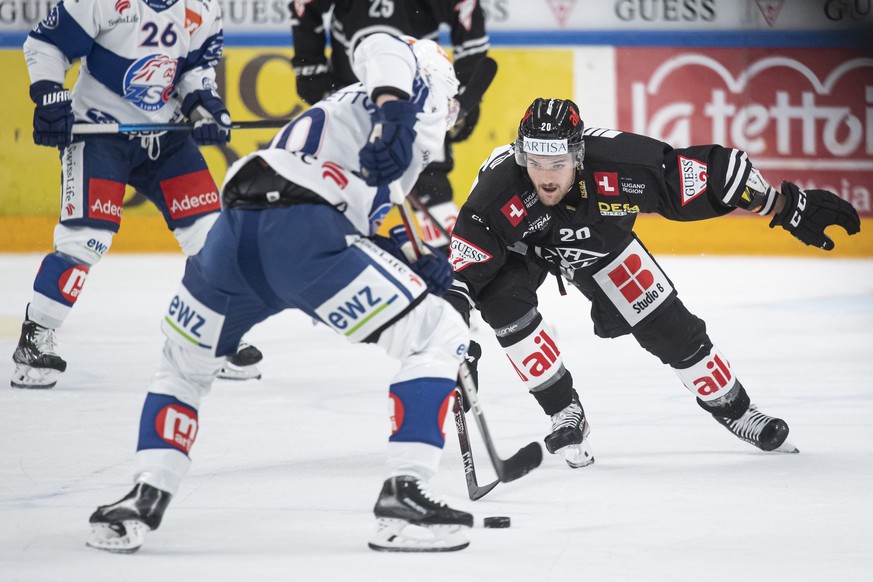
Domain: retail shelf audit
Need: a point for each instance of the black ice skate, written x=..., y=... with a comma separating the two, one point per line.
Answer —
x=243, y=364
x=569, y=436
x=410, y=519
x=37, y=365
x=121, y=526
x=756, y=428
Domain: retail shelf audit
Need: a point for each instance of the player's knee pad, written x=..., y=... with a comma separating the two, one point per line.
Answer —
x=533, y=352
x=430, y=341
x=185, y=373
x=419, y=410
x=675, y=336
x=708, y=376
x=192, y=238
x=168, y=427
x=84, y=244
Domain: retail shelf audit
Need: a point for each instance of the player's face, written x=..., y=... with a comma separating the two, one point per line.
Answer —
x=552, y=176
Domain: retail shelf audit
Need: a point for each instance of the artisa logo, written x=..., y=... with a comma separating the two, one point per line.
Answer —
x=149, y=81
x=545, y=147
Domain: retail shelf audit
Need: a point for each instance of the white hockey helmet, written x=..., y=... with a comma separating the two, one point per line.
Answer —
x=438, y=71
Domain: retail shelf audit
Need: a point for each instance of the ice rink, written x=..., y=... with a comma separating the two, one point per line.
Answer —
x=286, y=470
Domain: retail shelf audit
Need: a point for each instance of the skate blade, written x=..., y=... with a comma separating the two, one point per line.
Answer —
x=398, y=535
x=578, y=456
x=109, y=539
x=238, y=373
x=786, y=447
x=34, y=378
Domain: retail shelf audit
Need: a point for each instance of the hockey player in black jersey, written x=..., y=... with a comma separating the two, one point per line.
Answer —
x=563, y=200
x=352, y=20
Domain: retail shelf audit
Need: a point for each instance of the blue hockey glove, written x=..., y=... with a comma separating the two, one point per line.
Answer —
x=433, y=267
x=807, y=213
x=210, y=117
x=389, y=151
x=53, y=116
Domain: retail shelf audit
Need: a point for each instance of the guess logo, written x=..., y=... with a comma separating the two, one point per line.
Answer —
x=514, y=211
x=177, y=425
x=607, y=183
x=692, y=178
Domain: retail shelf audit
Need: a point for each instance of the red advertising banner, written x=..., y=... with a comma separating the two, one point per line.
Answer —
x=804, y=115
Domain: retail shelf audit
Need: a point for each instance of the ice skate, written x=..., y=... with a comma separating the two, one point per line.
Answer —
x=37, y=365
x=756, y=428
x=121, y=526
x=569, y=436
x=410, y=519
x=243, y=364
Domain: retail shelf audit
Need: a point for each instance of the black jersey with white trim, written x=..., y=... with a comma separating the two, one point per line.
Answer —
x=623, y=174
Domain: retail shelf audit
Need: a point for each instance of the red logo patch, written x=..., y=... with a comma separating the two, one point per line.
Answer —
x=541, y=360
x=514, y=211
x=719, y=378
x=71, y=282
x=177, y=425
x=631, y=279
x=104, y=199
x=607, y=183
x=190, y=194
x=396, y=413
x=335, y=172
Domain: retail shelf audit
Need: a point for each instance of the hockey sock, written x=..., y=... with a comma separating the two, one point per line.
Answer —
x=56, y=287
x=420, y=408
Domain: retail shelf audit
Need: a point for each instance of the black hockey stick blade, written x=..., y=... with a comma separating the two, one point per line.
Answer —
x=473, y=489
x=472, y=94
x=518, y=465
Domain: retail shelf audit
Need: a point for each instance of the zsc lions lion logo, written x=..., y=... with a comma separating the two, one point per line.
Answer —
x=149, y=82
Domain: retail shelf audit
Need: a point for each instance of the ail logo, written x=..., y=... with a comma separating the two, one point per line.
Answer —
x=719, y=377
x=177, y=426
x=541, y=360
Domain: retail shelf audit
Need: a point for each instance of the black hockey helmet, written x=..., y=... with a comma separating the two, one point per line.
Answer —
x=550, y=127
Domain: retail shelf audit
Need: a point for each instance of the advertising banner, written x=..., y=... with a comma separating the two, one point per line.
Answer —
x=803, y=114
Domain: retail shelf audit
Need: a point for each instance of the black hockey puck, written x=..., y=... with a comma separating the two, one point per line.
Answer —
x=497, y=521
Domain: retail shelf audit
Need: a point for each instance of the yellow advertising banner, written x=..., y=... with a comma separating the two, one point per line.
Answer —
x=259, y=83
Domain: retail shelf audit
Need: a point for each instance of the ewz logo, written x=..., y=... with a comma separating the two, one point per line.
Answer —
x=356, y=310
x=185, y=319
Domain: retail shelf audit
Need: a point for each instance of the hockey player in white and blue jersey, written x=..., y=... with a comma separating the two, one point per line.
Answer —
x=298, y=231
x=142, y=61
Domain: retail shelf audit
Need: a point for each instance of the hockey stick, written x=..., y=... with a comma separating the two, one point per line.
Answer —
x=102, y=128
x=473, y=488
x=525, y=459
x=472, y=94
x=422, y=207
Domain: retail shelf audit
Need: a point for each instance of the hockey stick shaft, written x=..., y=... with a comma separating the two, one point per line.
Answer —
x=528, y=457
x=473, y=489
x=104, y=128
x=422, y=207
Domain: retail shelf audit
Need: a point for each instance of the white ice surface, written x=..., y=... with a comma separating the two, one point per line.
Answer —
x=286, y=470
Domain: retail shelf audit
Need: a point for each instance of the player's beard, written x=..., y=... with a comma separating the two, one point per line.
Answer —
x=552, y=192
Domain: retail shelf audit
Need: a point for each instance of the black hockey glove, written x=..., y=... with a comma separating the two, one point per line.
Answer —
x=389, y=152
x=53, y=116
x=433, y=267
x=209, y=115
x=463, y=128
x=313, y=88
x=807, y=213
x=474, y=353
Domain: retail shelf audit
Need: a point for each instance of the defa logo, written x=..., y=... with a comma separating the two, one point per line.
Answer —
x=718, y=378
x=177, y=425
x=692, y=178
x=539, y=361
x=71, y=282
x=607, y=183
x=193, y=202
x=465, y=254
x=514, y=211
